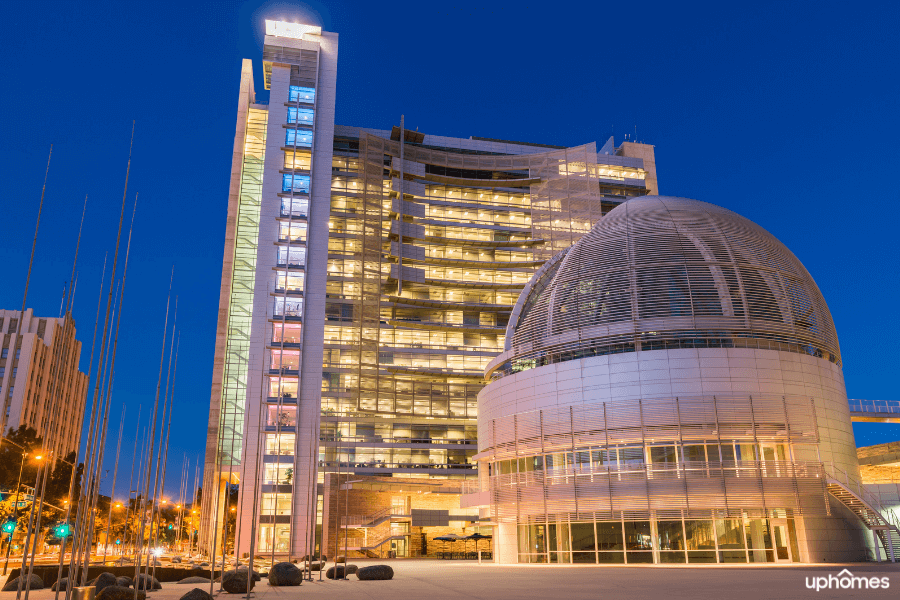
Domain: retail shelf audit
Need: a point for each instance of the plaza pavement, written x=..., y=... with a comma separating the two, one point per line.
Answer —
x=444, y=580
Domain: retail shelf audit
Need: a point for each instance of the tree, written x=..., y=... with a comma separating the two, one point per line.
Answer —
x=11, y=456
x=58, y=484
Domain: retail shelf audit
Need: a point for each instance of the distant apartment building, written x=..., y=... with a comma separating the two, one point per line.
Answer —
x=368, y=278
x=30, y=380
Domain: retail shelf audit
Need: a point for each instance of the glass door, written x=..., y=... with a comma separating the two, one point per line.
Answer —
x=780, y=540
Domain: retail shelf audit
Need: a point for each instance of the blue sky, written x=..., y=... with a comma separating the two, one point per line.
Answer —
x=783, y=112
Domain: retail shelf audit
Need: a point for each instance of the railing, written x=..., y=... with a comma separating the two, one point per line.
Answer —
x=861, y=491
x=680, y=470
x=370, y=520
x=875, y=406
x=393, y=465
x=377, y=439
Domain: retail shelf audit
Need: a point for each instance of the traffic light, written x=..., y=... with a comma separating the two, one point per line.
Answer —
x=118, y=541
x=171, y=526
x=61, y=530
x=9, y=526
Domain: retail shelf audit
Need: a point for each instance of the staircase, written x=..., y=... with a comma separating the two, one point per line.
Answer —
x=882, y=522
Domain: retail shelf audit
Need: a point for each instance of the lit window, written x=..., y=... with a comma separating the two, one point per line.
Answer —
x=304, y=116
x=296, y=183
x=298, y=137
x=302, y=94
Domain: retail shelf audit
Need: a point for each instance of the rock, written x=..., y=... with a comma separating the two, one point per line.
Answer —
x=145, y=581
x=351, y=569
x=103, y=581
x=375, y=572
x=235, y=582
x=60, y=584
x=12, y=585
x=204, y=564
x=115, y=592
x=124, y=581
x=194, y=580
x=256, y=575
x=176, y=559
x=340, y=559
x=197, y=594
x=285, y=574
x=336, y=572
x=316, y=566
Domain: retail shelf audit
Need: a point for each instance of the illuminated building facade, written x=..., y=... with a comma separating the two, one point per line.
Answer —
x=29, y=381
x=670, y=391
x=369, y=276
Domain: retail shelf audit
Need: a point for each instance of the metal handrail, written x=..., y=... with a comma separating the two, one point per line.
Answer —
x=858, y=488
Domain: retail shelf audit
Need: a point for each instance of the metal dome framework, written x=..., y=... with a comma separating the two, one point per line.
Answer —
x=661, y=272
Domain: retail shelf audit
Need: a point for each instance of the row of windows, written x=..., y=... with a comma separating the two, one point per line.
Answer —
x=624, y=456
x=298, y=137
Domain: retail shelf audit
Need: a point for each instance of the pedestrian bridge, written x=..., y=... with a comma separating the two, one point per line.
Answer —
x=875, y=411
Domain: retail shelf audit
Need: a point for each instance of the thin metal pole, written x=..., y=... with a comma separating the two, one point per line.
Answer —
x=112, y=494
x=168, y=427
x=137, y=562
x=15, y=512
x=79, y=513
x=156, y=505
x=16, y=342
x=137, y=424
x=57, y=362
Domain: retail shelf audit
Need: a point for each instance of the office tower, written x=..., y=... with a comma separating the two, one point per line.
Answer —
x=367, y=281
x=29, y=379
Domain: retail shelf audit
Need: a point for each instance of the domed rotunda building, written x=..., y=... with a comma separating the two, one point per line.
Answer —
x=670, y=391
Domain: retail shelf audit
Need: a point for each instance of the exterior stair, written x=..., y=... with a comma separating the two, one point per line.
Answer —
x=870, y=513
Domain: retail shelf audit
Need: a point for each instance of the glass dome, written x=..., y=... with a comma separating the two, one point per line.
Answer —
x=660, y=272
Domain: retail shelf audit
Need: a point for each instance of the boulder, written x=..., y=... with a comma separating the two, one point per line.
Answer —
x=338, y=572
x=285, y=574
x=340, y=559
x=60, y=584
x=256, y=575
x=235, y=582
x=204, y=564
x=124, y=581
x=13, y=584
x=103, y=581
x=194, y=580
x=197, y=594
x=145, y=581
x=115, y=592
x=316, y=566
x=176, y=559
x=375, y=572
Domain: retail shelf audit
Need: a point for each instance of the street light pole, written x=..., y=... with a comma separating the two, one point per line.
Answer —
x=15, y=513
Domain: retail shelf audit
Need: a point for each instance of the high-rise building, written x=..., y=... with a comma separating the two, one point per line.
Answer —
x=368, y=279
x=29, y=379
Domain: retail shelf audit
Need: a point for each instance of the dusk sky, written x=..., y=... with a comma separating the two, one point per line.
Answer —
x=783, y=112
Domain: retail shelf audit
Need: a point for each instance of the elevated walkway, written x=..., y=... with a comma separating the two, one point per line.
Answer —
x=875, y=411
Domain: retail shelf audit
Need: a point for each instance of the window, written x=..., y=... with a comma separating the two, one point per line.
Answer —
x=297, y=160
x=304, y=116
x=291, y=331
x=290, y=307
x=15, y=371
x=285, y=416
x=295, y=232
x=297, y=207
x=301, y=94
x=294, y=282
x=4, y=353
x=294, y=257
x=278, y=473
x=276, y=504
x=280, y=443
x=298, y=137
x=295, y=183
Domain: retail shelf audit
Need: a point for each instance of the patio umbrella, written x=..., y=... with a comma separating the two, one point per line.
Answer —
x=477, y=536
x=444, y=538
